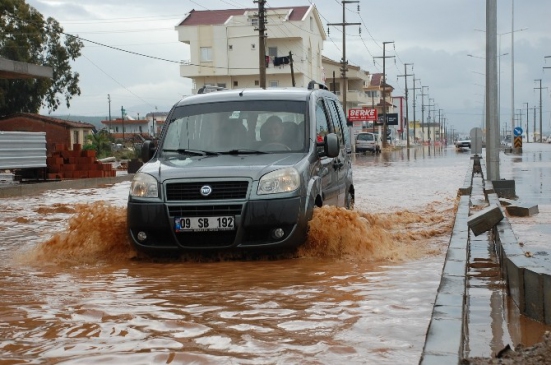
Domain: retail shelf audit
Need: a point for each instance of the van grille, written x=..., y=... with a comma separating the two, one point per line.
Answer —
x=204, y=210
x=220, y=190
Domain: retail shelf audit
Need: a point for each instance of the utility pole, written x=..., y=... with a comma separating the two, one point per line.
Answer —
x=122, y=114
x=262, y=42
x=423, y=112
x=527, y=127
x=344, y=62
x=292, y=68
x=109, y=101
x=534, y=123
x=414, y=103
x=405, y=76
x=439, y=127
x=430, y=121
x=540, y=88
x=385, y=126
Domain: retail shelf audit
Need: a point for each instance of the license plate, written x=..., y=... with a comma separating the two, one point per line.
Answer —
x=197, y=224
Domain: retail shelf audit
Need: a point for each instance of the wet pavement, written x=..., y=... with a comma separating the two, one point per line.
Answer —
x=531, y=171
x=360, y=291
x=478, y=313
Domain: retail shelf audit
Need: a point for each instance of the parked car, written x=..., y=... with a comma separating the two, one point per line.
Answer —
x=242, y=170
x=367, y=141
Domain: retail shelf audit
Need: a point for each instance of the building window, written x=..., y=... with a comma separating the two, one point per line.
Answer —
x=256, y=83
x=274, y=83
x=335, y=86
x=206, y=54
x=254, y=22
x=272, y=51
x=235, y=84
x=311, y=24
x=75, y=137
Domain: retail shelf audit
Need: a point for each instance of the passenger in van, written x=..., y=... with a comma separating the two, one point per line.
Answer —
x=272, y=130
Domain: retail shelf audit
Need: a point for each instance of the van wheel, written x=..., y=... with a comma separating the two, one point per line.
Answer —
x=349, y=201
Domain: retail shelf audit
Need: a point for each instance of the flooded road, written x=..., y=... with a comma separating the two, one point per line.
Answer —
x=361, y=290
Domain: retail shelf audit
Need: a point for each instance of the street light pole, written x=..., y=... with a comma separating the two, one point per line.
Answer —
x=492, y=124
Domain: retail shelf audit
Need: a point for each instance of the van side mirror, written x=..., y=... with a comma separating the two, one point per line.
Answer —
x=147, y=151
x=330, y=144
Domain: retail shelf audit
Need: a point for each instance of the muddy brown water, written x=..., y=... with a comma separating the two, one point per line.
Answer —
x=361, y=289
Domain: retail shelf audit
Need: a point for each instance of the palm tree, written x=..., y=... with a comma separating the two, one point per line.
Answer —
x=101, y=142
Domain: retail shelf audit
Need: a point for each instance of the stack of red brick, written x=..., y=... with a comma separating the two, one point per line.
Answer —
x=76, y=164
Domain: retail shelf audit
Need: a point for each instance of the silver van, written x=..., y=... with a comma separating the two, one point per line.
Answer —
x=367, y=141
x=241, y=169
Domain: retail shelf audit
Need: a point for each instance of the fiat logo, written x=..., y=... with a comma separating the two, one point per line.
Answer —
x=206, y=190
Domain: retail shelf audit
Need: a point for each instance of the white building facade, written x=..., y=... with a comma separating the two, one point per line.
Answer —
x=224, y=47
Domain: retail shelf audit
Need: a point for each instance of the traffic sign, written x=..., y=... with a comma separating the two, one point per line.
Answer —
x=518, y=142
x=517, y=131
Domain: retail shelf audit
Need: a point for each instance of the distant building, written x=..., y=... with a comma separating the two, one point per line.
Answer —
x=127, y=128
x=58, y=131
x=130, y=129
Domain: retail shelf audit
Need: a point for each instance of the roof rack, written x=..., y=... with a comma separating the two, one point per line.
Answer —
x=210, y=88
x=312, y=83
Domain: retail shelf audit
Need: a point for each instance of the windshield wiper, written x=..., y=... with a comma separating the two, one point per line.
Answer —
x=242, y=152
x=184, y=151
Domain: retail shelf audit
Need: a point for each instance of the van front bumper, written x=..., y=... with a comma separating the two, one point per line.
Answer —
x=151, y=226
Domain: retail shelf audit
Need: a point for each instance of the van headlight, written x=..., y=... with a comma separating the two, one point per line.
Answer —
x=144, y=186
x=279, y=181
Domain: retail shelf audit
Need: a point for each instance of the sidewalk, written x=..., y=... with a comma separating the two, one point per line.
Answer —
x=493, y=285
x=531, y=171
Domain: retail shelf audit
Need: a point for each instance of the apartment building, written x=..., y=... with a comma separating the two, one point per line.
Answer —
x=224, y=47
x=224, y=52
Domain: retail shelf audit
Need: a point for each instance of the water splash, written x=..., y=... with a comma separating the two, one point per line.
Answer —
x=397, y=236
x=96, y=232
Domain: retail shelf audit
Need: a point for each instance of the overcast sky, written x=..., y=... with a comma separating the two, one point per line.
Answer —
x=435, y=35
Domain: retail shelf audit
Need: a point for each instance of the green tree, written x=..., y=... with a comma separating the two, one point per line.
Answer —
x=26, y=37
x=101, y=142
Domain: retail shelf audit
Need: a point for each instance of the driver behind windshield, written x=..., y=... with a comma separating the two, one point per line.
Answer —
x=272, y=130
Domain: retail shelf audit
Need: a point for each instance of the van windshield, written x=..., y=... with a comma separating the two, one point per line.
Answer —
x=237, y=126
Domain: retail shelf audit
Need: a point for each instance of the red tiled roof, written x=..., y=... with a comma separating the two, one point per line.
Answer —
x=46, y=119
x=213, y=17
x=376, y=79
x=126, y=121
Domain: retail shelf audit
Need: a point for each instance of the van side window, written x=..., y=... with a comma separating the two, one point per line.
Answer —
x=322, y=125
x=335, y=119
x=342, y=120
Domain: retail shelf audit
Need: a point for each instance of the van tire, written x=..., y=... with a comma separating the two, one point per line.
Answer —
x=349, y=204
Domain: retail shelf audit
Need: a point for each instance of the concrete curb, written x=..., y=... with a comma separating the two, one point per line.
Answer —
x=14, y=190
x=528, y=284
x=444, y=339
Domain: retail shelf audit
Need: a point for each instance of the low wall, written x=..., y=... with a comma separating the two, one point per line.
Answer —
x=13, y=190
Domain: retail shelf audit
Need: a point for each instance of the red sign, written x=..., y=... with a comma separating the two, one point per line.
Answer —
x=360, y=115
